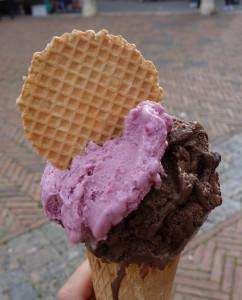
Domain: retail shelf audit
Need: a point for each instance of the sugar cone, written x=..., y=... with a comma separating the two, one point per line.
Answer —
x=138, y=283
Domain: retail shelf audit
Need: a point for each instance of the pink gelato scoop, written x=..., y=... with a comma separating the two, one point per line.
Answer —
x=106, y=183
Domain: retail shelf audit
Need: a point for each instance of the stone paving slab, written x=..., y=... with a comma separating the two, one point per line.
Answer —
x=37, y=263
x=129, y=7
x=156, y=7
x=230, y=171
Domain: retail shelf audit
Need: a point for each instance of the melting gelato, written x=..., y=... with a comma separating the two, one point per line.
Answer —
x=106, y=183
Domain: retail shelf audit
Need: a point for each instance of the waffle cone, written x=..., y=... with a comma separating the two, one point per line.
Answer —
x=79, y=88
x=138, y=283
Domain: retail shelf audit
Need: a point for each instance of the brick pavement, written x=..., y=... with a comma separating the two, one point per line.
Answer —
x=200, y=67
x=211, y=267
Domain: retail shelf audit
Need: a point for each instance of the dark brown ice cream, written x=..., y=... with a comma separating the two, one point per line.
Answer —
x=167, y=218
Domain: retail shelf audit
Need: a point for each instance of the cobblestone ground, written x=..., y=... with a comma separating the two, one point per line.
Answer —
x=200, y=66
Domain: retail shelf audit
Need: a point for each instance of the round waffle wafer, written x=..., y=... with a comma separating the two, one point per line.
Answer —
x=79, y=88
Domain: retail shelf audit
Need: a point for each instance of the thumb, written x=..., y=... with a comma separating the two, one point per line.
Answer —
x=79, y=285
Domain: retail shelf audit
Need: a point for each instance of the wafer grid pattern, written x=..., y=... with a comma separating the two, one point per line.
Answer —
x=80, y=88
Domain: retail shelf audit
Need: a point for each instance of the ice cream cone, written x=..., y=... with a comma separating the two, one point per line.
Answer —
x=140, y=195
x=133, y=282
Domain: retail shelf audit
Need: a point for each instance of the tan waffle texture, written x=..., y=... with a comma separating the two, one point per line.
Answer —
x=79, y=88
x=139, y=283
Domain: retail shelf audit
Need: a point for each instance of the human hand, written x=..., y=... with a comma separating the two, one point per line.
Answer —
x=79, y=285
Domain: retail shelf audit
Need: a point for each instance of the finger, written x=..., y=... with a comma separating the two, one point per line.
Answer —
x=79, y=285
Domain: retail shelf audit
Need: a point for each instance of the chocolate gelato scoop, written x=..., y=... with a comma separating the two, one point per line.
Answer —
x=167, y=218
